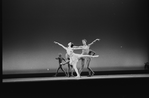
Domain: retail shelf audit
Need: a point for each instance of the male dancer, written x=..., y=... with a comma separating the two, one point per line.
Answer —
x=60, y=59
x=87, y=51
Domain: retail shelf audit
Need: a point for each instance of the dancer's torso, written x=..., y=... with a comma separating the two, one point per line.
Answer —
x=85, y=49
x=69, y=51
x=60, y=59
x=73, y=57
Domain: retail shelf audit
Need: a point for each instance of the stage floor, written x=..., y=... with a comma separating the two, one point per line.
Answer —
x=33, y=79
x=103, y=85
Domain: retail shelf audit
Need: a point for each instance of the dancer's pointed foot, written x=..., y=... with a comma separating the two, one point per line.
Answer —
x=77, y=77
x=96, y=56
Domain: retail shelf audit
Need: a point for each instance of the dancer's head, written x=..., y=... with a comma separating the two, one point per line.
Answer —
x=84, y=41
x=60, y=55
x=70, y=44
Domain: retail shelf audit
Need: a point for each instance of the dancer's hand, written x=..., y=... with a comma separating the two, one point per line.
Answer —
x=96, y=56
x=98, y=39
x=60, y=45
x=55, y=42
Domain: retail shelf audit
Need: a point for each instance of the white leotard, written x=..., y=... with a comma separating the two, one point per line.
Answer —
x=73, y=57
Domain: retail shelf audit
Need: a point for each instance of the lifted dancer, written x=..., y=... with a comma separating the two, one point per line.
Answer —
x=87, y=51
x=60, y=59
x=73, y=56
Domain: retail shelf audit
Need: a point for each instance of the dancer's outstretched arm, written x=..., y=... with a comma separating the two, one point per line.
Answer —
x=60, y=45
x=88, y=56
x=93, y=42
x=66, y=62
x=77, y=47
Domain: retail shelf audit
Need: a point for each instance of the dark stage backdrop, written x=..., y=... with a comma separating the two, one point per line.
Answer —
x=29, y=28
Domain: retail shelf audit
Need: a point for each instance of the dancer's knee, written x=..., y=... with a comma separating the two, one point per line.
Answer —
x=88, y=67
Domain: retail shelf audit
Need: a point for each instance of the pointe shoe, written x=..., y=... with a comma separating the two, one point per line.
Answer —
x=78, y=77
x=96, y=56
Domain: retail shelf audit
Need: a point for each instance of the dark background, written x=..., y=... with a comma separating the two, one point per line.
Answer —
x=29, y=28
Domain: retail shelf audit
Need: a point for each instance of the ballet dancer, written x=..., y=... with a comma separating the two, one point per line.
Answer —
x=87, y=51
x=73, y=56
x=70, y=67
x=60, y=59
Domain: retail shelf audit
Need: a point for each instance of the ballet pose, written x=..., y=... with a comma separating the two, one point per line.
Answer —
x=60, y=59
x=73, y=56
x=87, y=51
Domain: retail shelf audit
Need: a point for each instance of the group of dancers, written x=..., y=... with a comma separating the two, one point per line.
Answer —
x=73, y=58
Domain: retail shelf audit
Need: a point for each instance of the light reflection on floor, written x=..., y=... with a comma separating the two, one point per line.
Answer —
x=74, y=78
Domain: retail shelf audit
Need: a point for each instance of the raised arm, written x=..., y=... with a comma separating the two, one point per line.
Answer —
x=60, y=45
x=93, y=42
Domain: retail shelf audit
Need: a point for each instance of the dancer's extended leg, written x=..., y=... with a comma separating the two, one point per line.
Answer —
x=88, y=56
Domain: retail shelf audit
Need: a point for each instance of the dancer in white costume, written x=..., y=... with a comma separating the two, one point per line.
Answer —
x=73, y=56
x=86, y=51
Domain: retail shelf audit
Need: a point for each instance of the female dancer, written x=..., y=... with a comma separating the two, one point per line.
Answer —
x=87, y=51
x=73, y=56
